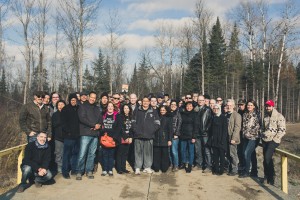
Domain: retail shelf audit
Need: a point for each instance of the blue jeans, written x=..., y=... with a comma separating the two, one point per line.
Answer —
x=87, y=151
x=70, y=154
x=28, y=172
x=108, y=158
x=249, y=148
x=187, y=151
x=174, y=150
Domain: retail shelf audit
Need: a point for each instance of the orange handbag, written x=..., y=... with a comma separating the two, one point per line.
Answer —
x=107, y=141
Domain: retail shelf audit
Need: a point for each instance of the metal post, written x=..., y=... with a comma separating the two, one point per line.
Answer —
x=20, y=158
x=284, y=177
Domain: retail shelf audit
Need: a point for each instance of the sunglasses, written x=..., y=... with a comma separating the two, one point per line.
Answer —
x=116, y=98
x=188, y=97
x=40, y=96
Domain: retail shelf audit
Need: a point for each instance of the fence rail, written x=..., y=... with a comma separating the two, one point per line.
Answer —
x=284, y=163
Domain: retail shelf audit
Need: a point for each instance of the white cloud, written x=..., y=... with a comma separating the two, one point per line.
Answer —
x=151, y=25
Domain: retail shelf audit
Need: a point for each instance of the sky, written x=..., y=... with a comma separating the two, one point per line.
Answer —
x=139, y=20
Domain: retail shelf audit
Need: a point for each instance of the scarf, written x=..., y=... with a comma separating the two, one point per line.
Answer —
x=39, y=146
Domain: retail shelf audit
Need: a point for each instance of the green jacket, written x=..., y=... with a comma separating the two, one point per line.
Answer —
x=32, y=118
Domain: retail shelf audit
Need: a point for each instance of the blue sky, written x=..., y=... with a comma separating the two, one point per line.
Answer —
x=139, y=19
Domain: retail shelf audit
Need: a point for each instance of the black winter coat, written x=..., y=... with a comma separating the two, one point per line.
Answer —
x=176, y=122
x=70, y=122
x=164, y=133
x=36, y=158
x=218, y=132
x=189, y=126
x=57, y=126
x=145, y=123
x=89, y=115
x=204, y=120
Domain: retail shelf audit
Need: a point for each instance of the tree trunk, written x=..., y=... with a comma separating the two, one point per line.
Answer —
x=279, y=68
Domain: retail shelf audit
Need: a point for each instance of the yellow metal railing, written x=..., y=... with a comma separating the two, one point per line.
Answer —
x=284, y=163
x=19, y=149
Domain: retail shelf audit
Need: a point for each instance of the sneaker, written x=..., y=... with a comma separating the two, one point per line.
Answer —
x=126, y=171
x=66, y=176
x=188, y=169
x=90, y=175
x=78, y=176
x=21, y=189
x=104, y=173
x=110, y=173
x=137, y=171
x=175, y=169
x=38, y=185
x=148, y=170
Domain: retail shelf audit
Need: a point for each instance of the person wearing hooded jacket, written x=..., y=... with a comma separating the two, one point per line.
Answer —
x=162, y=140
x=218, y=139
x=187, y=137
x=70, y=135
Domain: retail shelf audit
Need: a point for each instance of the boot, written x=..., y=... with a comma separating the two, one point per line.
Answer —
x=188, y=169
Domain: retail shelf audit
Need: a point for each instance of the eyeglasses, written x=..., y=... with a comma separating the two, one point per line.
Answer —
x=188, y=97
x=216, y=108
x=55, y=97
x=201, y=100
x=40, y=96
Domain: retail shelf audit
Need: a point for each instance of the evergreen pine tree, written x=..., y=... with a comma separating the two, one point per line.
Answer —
x=133, y=81
x=88, y=80
x=216, y=60
x=192, y=82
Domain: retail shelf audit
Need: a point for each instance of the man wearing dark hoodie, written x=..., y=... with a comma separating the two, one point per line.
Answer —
x=89, y=123
x=70, y=133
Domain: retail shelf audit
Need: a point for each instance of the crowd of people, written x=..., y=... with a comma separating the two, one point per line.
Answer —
x=154, y=133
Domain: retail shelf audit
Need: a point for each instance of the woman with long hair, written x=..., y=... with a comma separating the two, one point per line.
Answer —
x=251, y=132
x=162, y=140
x=126, y=139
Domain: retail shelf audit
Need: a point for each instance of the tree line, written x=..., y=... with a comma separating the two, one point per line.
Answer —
x=248, y=54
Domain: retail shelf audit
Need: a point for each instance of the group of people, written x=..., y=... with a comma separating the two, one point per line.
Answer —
x=153, y=134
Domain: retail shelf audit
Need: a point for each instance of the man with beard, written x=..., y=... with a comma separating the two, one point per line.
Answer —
x=273, y=130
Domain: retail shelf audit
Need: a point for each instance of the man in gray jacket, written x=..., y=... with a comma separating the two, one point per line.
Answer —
x=234, y=128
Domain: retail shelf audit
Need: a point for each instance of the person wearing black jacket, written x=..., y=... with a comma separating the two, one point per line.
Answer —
x=36, y=162
x=187, y=137
x=70, y=135
x=145, y=124
x=57, y=133
x=126, y=140
x=112, y=126
x=176, y=116
x=162, y=140
x=90, y=123
x=202, y=151
x=218, y=140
